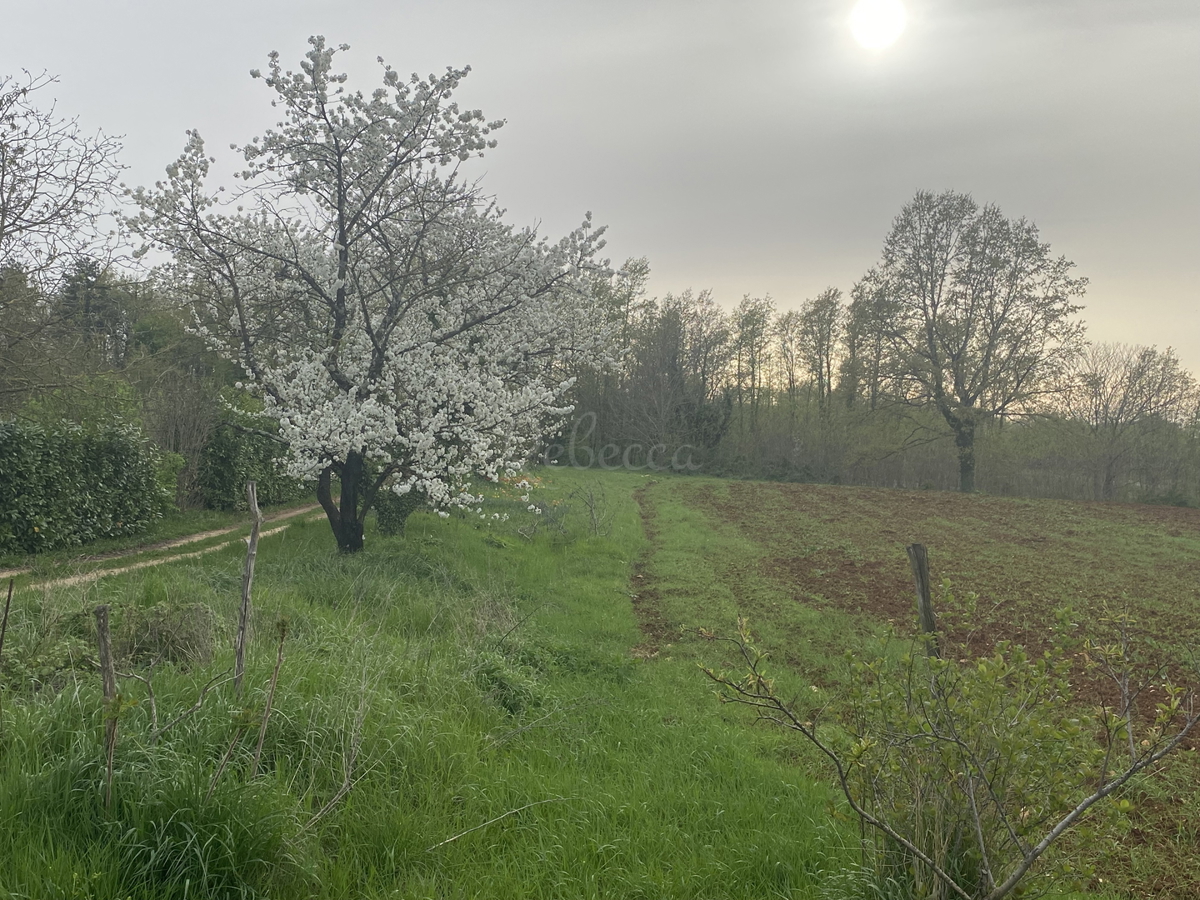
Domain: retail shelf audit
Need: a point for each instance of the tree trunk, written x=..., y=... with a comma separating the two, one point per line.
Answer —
x=344, y=517
x=964, y=440
x=1110, y=480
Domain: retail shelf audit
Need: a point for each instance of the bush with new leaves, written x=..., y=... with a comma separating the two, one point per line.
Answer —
x=66, y=485
x=963, y=768
x=392, y=510
x=238, y=451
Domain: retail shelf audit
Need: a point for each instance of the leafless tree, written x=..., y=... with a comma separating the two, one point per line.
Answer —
x=1125, y=397
x=55, y=180
x=820, y=333
x=977, y=316
x=752, y=351
x=55, y=186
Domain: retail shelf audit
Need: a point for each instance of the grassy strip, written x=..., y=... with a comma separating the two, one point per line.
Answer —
x=459, y=714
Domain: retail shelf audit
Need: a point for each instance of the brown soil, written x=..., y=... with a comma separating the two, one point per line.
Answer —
x=656, y=630
x=845, y=547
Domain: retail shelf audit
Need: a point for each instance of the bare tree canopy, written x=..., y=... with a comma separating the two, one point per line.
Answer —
x=55, y=180
x=976, y=315
x=1121, y=397
x=56, y=184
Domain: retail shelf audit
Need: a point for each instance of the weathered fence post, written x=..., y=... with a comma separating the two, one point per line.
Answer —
x=239, y=661
x=109, y=676
x=918, y=558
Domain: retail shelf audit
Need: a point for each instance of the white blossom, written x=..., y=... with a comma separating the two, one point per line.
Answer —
x=380, y=306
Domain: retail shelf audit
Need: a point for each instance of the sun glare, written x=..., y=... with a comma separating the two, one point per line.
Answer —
x=877, y=23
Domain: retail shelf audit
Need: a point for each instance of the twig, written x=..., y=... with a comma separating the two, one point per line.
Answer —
x=348, y=781
x=526, y=618
x=152, y=701
x=757, y=692
x=4, y=631
x=4, y=624
x=215, y=682
x=262, y=729
x=212, y=785
x=511, y=812
x=156, y=732
x=239, y=663
x=257, y=432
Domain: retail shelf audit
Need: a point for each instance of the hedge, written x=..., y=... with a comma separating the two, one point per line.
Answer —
x=232, y=457
x=67, y=485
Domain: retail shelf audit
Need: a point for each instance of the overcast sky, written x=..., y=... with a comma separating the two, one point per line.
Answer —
x=747, y=147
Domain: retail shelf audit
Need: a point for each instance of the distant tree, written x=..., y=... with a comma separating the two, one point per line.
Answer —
x=94, y=305
x=708, y=347
x=788, y=354
x=709, y=343
x=863, y=344
x=55, y=181
x=675, y=363
x=976, y=315
x=25, y=363
x=657, y=382
x=601, y=393
x=819, y=336
x=1126, y=397
x=751, y=321
x=55, y=186
x=400, y=332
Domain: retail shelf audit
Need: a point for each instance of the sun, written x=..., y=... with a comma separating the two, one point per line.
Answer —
x=877, y=23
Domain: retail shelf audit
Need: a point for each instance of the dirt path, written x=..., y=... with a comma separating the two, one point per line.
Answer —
x=309, y=512
x=644, y=594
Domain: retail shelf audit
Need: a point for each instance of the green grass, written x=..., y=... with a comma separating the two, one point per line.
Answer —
x=818, y=570
x=498, y=672
x=173, y=525
x=491, y=672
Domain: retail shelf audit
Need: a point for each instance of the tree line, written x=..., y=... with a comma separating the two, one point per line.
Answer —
x=958, y=361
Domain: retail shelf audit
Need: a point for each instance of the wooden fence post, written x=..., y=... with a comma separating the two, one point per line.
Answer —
x=918, y=559
x=239, y=662
x=109, y=676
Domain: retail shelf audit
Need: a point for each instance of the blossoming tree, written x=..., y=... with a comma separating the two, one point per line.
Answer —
x=401, y=333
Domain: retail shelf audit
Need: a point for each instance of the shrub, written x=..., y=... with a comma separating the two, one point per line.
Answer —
x=964, y=769
x=234, y=455
x=509, y=684
x=392, y=510
x=69, y=484
x=168, y=631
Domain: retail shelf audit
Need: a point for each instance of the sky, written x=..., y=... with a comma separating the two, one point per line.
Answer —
x=748, y=147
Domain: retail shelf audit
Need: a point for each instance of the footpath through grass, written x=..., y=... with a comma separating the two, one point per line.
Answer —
x=465, y=711
x=162, y=538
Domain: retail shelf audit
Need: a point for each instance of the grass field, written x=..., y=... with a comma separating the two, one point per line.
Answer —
x=818, y=569
x=515, y=710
